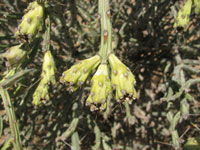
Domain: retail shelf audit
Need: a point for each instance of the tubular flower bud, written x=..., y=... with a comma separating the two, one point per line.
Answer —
x=15, y=55
x=183, y=15
x=48, y=76
x=101, y=88
x=78, y=73
x=41, y=93
x=122, y=80
x=32, y=21
x=48, y=68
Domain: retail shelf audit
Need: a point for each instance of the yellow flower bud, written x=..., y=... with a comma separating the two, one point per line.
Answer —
x=78, y=73
x=122, y=80
x=32, y=21
x=48, y=68
x=183, y=15
x=15, y=55
x=101, y=88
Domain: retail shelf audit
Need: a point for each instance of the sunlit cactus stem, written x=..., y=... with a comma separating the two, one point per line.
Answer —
x=106, y=29
x=14, y=126
x=48, y=71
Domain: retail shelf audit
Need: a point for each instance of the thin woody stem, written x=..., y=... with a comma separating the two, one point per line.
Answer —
x=106, y=29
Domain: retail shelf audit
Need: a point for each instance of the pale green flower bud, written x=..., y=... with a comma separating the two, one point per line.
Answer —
x=122, y=80
x=32, y=21
x=15, y=55
x=184, y=14
x=78, y=73
x=41, y=93
x=101, y=88
x=48, y=68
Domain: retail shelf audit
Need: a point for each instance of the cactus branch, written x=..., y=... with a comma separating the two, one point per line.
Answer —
x=12, y=119
x=106, y=30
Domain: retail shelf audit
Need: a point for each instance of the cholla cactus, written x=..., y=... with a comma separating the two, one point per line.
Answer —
x=15, y=55
x=183, y=15
x=101, y=88
x=197, y=6
x=122, y=80
x=48, y=68
x=78, y=73
x=48, y=76
x=32, y=21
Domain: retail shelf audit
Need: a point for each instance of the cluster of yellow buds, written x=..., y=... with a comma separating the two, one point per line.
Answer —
x=32, y=21
x=15, y=55
x=183, y=15
x=47, y=77
x=78, y=74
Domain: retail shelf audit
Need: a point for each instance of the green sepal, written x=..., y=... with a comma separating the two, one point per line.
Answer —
x=78, y=73
x=122, y=80
x=101, y=88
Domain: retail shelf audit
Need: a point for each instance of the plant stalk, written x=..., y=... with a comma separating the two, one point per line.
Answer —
x=106, y=30
x=12, y=119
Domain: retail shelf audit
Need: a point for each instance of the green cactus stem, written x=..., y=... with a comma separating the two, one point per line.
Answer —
x=14, y=126
x=48, y=71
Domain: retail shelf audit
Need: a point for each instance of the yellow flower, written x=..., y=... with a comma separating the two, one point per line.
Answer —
x=32, y=21
x=101, y=88
x=122, y=80
x=78, y=73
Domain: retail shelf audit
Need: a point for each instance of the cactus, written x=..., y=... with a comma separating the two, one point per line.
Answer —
x=122, y=80
x=101, y=88
x=78, y=73
x=15, y=55
x=48, y=76
x=183, y=15
x=197, y=6
x=32, y=21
